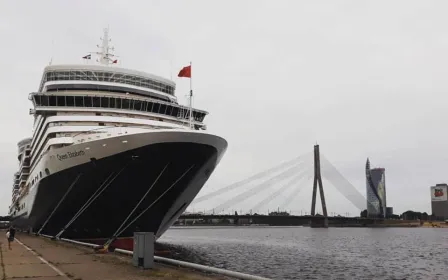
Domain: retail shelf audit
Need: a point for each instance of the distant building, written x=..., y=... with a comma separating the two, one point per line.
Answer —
x=389, y=211
x=439, y=201
x=376, y=191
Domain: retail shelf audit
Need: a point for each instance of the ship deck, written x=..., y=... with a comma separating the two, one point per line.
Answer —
x=37, y=257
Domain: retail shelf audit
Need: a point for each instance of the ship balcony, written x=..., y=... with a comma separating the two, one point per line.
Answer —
x=23, y=179
x=23, y=175
x=24, y=153
x=25, y=168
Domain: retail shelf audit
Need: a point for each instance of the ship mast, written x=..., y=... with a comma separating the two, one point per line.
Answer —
x=105, y=56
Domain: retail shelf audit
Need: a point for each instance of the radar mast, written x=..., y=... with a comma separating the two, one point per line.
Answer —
x=105, y=55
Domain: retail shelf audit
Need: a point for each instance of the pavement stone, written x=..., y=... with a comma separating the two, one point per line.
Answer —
x=29, y=270
x=56, y=260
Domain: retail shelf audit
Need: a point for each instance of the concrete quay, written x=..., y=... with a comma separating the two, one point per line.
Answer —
x=37, y=257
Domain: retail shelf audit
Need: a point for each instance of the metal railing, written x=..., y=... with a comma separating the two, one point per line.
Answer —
x=204, y=268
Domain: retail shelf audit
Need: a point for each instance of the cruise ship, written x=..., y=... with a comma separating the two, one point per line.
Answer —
x=112, y=152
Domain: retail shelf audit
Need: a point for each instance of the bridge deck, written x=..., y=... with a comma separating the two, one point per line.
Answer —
x=36, y=257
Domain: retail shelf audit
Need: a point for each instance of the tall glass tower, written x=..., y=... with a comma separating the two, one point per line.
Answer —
x=376, y=191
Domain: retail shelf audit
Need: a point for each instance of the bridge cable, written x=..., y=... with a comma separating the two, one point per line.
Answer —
x=342, y=184
x=293, y=195
x=290, y=183
x=245, y=195
x=250, y=179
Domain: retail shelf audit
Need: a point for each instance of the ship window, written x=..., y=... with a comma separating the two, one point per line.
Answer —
x=118, y=103
x=40, y=173
x=138, y=105
x=155, y=108
x=45, y=100
x=88, y=101
x=96, y=102
x=149, y=107
x=53, y=100
x=163, y=108
x=47, y=171
x=70, y=101
x=125, y=103
x=79, y=102
x=104, y=102
x=60, y=100
x=37, y=99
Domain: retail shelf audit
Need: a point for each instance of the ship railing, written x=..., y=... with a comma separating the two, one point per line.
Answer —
x=98, y=130
x=92, y=130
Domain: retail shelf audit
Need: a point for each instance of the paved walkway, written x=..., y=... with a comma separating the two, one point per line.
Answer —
x=41, y=258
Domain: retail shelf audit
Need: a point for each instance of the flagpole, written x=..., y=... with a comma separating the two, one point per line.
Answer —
x=191, y=97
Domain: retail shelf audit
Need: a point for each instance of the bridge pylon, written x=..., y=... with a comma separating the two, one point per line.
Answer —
x=318, y=221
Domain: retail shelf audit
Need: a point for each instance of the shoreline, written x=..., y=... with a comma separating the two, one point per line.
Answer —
x=403, y=225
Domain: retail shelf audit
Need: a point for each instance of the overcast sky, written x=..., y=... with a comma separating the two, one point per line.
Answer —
x=361, y=78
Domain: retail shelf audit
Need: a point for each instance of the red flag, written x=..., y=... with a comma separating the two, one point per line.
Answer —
x=185, y=72
x=115, y=61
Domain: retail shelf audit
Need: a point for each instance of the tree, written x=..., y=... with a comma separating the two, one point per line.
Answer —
x=363, y=213
x=412, y=215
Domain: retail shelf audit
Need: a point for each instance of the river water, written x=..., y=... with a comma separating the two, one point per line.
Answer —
x=313, y=253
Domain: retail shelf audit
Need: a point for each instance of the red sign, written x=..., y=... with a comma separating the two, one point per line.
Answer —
x=438, y=192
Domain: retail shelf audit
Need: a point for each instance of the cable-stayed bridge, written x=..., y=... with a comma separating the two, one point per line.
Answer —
x=283, y=184
x=290, y=177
